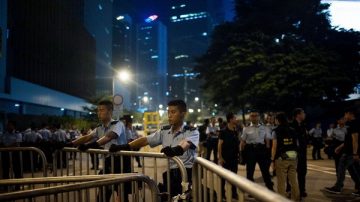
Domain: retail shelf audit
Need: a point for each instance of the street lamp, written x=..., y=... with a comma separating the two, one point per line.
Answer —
x=123, y=75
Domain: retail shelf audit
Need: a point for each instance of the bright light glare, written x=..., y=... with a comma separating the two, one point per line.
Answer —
x=124, y=76
x=146, y=99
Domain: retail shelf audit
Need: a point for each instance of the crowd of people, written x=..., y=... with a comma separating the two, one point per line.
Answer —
x=279, y=144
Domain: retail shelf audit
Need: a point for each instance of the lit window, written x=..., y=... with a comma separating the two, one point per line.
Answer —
x=120, y=17
x=182, y=5
x=154, y=56
x=173, y=7
x=181, y=56
x=100, y=7
x=204, y=33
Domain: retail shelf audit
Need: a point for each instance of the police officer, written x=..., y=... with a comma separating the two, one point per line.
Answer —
x=255, y=142
x=176, y=139
x=11, y=138
x=212, y=131
x=107, y=133
x=317, y=141
x=338, y=135
x=131, y=134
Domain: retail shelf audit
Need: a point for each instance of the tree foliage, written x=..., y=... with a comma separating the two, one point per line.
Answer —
x=279, y=54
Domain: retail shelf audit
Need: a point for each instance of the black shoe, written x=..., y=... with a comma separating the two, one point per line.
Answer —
x=303, y=195
x=356, y=193
x=334, y=190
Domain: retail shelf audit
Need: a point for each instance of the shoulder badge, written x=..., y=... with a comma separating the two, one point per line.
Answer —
x=189, y=128
x=113, y=122
x=167, y=127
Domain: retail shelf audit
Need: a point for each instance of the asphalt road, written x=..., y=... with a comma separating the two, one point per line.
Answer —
x=321, y=173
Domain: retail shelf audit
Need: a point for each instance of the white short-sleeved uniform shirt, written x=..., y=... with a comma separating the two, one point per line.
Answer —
x=115, y=126
x=316, y=132
x=256, y=134
x=165, y=137
x=9, y=139
x=212, y=129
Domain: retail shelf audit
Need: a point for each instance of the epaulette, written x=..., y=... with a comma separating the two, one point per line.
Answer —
x=191, y=128
x=113, y=122
x=167, y=127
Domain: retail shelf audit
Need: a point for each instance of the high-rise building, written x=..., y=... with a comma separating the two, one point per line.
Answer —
x=123, y=56
x=98, y=20
x=3, y=40
x=46, y=46
x=189, y=27
x=47, y=58
x=151, y=64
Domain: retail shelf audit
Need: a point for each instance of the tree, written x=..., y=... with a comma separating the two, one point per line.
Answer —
x=277, y=55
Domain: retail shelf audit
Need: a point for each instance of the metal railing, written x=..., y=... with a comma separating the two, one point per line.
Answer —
x=81, y=165
x=81, y=187
x=14, y=156
x=204, y=174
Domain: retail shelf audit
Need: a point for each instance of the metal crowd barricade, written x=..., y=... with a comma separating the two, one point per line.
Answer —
x=80, y=186
x=206, y=184
x=81, y=165
x=13, y=158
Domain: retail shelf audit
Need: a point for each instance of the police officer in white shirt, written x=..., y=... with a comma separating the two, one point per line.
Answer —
x=212, y=131
x=107, y=133
x=176, y=139
x=255, y=143
x=11, y=138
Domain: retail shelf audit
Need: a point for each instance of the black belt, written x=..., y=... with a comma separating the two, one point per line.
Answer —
x=259, y=145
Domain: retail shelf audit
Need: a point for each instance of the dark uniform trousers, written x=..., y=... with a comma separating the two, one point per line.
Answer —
x=15, y=166
x=302, y=170
x=258, y=153
x=175, y=181
x=117, y=169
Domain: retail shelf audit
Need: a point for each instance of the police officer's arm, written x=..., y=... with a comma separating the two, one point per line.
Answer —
x=185, y=144
x=339, y=148
x=243, y=139
x=138, y=143
x=107, y=137
x=268, y=137
x=83, y=139
x=135, y=144
x=242, y=145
